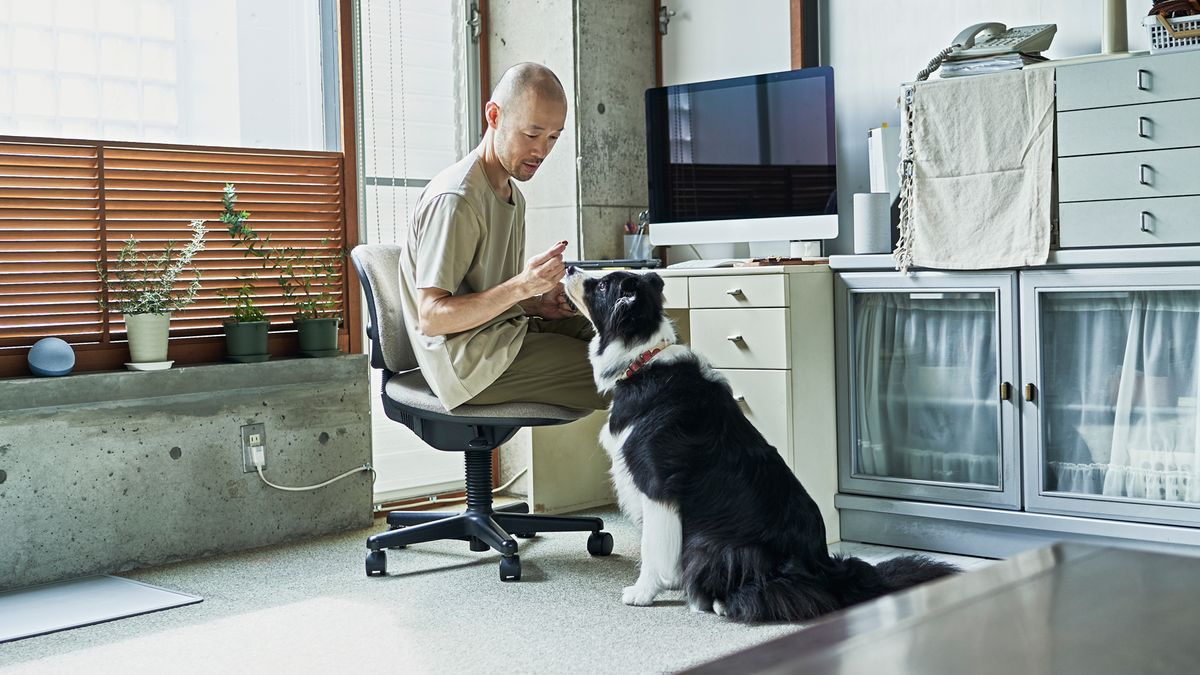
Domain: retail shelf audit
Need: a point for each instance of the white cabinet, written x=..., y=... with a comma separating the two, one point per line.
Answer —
x=768, y=331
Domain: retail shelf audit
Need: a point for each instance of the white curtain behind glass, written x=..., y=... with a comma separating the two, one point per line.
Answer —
x=1120, y=404
x=926, y=383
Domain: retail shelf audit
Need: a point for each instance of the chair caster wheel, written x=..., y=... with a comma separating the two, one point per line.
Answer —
x=600, y=543
x=510, y=568
x=376, y=564
x=525, y=535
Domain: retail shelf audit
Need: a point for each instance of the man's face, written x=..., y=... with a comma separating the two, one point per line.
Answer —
x=526, y=131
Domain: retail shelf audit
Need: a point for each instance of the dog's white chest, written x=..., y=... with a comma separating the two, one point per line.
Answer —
x=628, y=496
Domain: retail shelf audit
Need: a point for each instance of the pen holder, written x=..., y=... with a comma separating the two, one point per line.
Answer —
x=637, y=246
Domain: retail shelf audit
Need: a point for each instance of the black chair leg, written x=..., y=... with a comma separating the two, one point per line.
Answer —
x=532, y=523
x=518, y=507
x=454, y=527
x=409, y=518
x=484, y=528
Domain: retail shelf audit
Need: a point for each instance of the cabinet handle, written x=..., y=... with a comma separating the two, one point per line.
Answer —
x=1147, y=217
x=1029, y=391
x=735, y=338
x=1144, y=174
x=1143, y=126
x=1143, y=79
x=1005, y=391
x=734, y=292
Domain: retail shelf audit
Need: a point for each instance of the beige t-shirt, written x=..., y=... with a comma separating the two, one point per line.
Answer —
x=464, y=239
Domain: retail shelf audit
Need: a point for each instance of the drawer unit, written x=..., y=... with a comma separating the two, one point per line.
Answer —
x=1155, y=126
x=1130, y=222
x=1162, y=77
x=742, y=338
x=1129, y=151
x=1134, y=175
x=675, y=292
x=766, y=399
x=738, y=291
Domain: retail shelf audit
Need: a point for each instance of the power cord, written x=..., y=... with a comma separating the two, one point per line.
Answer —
x=457, y=500
x=258, y=455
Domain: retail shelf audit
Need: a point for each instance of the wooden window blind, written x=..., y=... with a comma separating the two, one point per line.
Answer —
x=65, y=204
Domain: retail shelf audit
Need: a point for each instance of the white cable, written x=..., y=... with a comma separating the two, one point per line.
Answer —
x=351, y=472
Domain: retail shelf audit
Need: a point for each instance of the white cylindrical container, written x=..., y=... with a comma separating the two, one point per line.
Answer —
x=148, y=337
x=872, y=222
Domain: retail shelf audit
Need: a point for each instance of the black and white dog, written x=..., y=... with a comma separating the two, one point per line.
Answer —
x=722, y=516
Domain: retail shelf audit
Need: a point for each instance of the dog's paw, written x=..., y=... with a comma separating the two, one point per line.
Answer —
x=700, y=605
x=638, y=596
x=718, y=608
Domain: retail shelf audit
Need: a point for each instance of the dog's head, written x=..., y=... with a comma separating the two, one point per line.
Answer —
x=623, y=306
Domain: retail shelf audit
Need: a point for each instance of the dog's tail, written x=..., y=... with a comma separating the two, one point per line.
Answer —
x=791, y=595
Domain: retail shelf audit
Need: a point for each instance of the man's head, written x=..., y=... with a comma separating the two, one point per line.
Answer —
x=525, y=115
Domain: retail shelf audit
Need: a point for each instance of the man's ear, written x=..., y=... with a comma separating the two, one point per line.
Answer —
x=491, y=114
x=655, y=281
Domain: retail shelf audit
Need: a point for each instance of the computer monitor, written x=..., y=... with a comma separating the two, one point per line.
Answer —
x=744, y=159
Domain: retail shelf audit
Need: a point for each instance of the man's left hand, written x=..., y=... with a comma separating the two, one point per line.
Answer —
x=553, y=304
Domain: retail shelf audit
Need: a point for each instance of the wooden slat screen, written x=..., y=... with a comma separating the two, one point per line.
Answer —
x=65, y=203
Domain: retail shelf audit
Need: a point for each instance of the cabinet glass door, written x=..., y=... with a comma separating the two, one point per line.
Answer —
x=1118, y=393
x=925, y=402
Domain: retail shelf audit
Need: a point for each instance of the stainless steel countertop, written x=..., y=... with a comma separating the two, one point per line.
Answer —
x=1069, y=608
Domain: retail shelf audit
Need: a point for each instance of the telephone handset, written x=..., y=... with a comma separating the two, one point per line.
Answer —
x=990, y=39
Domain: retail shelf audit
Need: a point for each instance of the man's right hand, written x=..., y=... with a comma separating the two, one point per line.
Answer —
x=543, y=271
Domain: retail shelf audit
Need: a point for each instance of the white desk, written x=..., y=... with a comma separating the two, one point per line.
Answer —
x=769, y=330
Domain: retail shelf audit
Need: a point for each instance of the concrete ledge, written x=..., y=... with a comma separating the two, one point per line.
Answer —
x=105, y=472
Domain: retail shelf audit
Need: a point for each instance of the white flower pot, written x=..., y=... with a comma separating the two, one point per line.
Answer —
x=148, y=337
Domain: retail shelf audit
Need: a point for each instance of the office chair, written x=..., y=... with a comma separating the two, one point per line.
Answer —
x=474, y=430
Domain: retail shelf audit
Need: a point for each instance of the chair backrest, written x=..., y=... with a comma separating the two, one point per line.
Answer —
x=378, y=267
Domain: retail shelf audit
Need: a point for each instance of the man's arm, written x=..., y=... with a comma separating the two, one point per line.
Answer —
x=441, y=313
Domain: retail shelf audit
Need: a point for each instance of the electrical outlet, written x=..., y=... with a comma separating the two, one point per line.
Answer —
x=253, y=435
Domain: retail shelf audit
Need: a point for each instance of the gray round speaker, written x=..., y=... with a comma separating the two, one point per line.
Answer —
x=51, y=357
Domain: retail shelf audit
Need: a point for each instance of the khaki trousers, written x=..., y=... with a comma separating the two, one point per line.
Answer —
x=551, y=367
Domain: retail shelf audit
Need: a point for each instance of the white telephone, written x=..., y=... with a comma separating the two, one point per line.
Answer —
x=990, y=39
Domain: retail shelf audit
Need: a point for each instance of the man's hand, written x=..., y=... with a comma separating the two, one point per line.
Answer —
x=543, y=271
x=551, y=305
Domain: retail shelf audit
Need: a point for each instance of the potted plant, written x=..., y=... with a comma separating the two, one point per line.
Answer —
x=246, y=328
x=144, y=289
x=304, y=276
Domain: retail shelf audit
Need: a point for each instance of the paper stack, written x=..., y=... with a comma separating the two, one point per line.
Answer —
x=989, y=64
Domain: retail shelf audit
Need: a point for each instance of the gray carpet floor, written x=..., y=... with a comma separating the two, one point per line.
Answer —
x=309, y=608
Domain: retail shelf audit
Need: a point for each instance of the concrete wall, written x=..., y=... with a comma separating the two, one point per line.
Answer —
x=603, y=52
x=104, y=472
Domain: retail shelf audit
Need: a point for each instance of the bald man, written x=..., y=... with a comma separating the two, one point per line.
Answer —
x=486, y=327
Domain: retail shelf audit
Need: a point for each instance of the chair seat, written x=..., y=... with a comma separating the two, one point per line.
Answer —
x=412, y=391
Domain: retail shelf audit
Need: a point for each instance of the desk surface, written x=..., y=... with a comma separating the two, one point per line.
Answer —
x=1066, y=609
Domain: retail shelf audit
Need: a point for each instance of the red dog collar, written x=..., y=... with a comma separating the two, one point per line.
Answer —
x=642, y=359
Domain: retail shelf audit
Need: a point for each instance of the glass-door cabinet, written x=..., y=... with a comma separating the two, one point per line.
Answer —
x=926, y=396
x=1111, y=362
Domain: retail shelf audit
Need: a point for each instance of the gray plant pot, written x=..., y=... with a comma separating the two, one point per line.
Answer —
x=317, y=337
x=246, y=341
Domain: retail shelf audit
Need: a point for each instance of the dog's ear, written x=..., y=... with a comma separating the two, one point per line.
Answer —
x=655, y=281
x=629, y=286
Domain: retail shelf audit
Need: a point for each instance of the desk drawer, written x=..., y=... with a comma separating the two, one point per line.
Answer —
x=1170, y=220
x=1162, y=77
x=1155, y=126
x=742, y=338
x=749, y=290
x=675, y=292
x=766, y=400
x=1158, y=173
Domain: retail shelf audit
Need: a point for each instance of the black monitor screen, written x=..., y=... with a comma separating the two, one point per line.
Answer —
x=748, y=147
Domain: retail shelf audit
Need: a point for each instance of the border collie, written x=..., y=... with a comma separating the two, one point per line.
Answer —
x=722, y=516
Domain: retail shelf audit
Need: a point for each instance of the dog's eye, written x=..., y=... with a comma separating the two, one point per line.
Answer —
x=602, y=286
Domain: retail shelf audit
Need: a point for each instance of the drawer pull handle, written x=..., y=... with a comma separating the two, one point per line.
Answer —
x=1143, y=79
x=734, y=292
x=1144, y=127
x=738, y=398
x=1147, y=217
x=1005, y=391
x=1144, y=172
x=736, y=339
x=1029, y=392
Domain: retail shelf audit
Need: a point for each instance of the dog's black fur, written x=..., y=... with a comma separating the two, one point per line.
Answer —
x=753, y=539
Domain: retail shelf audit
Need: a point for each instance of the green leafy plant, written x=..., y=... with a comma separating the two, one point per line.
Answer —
x=305, y=276
x=241, y=303
x=142, y=283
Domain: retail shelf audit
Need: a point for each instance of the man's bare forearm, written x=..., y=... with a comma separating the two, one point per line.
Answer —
x=451, y=314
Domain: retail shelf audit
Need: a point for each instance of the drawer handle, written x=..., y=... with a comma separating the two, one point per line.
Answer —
x=734, y=292
x=1029, y=392
x=1147, y=218
x=1005, y=391
x=1144, y=126
x=736, y=339
x=1143, y=79
x=738, y=398
x=1144, y=174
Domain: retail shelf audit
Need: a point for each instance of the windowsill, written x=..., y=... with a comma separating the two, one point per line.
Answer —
x=21, y=393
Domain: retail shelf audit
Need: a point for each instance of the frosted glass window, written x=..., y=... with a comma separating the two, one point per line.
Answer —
x=242, y=73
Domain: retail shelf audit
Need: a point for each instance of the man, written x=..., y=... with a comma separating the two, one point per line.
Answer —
x=485, y=328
